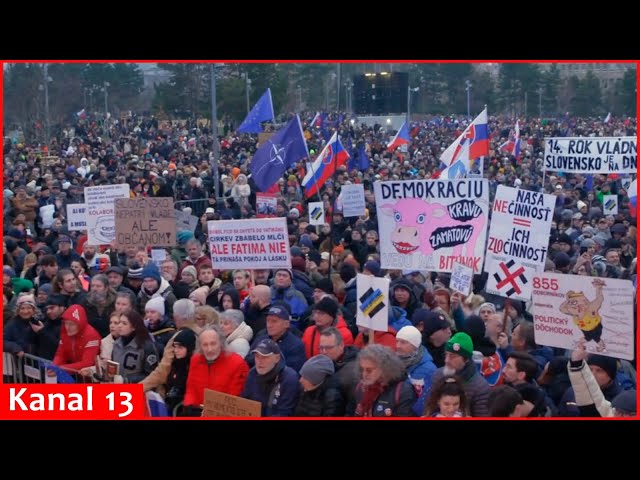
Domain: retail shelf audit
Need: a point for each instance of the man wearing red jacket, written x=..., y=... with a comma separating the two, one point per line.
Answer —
x=325, y=315
x=79, y=341
x=215, y=369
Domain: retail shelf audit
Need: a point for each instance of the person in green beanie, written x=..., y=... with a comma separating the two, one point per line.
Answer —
x=458, y=362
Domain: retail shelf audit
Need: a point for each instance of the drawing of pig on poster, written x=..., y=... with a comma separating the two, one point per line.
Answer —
x=430, y=224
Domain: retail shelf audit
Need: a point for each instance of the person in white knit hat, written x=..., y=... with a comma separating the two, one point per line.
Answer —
x=160, y=327
x=417, y=360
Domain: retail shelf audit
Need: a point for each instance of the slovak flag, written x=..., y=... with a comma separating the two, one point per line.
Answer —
x=632, y=193
x=155, y=405
x=81, y=114
x=608, y=118
x=401, y=138
x=333, y=155
x=513, y=144
x=476, y=138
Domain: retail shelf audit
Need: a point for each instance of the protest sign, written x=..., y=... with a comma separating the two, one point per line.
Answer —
x=76, y=216
x=316, y=213
x=373, y=302
x=353, y=203
x=249, y=244
x=266, y=205
x=610, y=204
x=568, y=308
x=461, y=278
x=101, y=227
x=518, y=240
x=430, y=224
x=218, y=404
x=145, y=222
x=590, y=155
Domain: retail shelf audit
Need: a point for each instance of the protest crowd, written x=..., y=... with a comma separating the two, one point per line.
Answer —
x=289, y=338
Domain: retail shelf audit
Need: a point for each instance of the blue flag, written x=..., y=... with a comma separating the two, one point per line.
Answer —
x=63, y=376
x=351, y=164
x=589, y=183
x=286, y=147
x=261, y=112
x=363, y=160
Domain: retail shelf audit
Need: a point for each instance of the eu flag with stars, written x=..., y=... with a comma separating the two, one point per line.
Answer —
x=286, y=147
x=261, y=112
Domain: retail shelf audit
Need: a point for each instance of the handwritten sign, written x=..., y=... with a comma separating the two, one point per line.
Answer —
x=76, y=216
x=353, y=203
x=145, y=222
x=101, y=227
x=218, y=404
x=461, y=278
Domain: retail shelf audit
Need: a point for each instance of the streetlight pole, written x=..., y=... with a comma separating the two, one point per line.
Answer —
x=468, y=89
x=46, y=104
x=348, y=85
x=540, y=102
x=105, y=87
x=247, y=86
x=409, y=90
x=214, y=130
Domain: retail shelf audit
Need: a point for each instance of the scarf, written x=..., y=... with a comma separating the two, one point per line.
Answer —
x=370, y=394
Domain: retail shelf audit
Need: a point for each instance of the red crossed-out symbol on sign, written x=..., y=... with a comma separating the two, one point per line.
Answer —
x=510, y=277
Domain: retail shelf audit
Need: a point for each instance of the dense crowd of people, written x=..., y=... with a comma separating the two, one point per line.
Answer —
x=288, y=338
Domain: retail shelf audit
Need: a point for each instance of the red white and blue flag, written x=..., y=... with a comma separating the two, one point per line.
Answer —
x=467, y=151
x=512, y=145
x=332, y=156
x=401, y=138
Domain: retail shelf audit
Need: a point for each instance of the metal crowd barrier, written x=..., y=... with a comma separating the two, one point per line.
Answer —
x=11, y=373
x=197, y=206
x=32, y=369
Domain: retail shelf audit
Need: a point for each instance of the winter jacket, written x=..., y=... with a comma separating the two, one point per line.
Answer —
x=99, y=315
x=292, y=297
x=165, y=291
x=311, y=337
x=45, y=342
x=238, y=340
x=16, y=336
x=324, y=401
x=162, y=333
x=396, y=400
x=227, y=374
x=388, y=339
x=278, y=390
x=158, y=377
x=80, y=350
x=475, y=386
x=302, y=283
x=588, y=394
x=136, y=361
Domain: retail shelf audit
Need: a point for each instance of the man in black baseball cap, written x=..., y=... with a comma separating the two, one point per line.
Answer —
x=279, y=331
x=436, y=332
x=271, y=382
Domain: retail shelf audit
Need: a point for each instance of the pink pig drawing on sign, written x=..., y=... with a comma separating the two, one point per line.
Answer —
x=427, y=227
